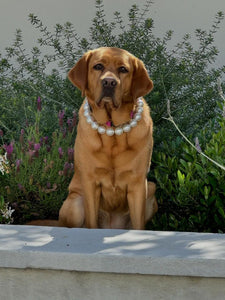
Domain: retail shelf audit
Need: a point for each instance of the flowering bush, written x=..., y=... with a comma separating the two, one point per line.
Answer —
x=38, y=168
x=5, y=212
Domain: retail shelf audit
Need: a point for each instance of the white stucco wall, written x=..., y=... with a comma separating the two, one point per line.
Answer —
x=182, y=16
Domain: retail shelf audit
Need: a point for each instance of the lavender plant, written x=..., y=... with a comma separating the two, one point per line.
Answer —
x=39, y=167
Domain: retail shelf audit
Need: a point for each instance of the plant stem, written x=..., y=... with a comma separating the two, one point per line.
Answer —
x=190, y=143
x=170, y=118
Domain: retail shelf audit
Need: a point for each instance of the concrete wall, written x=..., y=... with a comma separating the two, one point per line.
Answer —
x=180, y=15
x=61, y=263
x=62, y=285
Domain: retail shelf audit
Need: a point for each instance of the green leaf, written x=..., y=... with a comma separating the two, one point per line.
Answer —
x=207, y=190
x=221, y=211
x=181, y=177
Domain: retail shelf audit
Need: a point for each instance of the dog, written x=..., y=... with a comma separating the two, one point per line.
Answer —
x=113, y=147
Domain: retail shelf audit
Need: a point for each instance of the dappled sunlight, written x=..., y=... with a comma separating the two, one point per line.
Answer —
x=211, y=249
x=136, y=236
x=12, y=239
x=129, y=248
x=133, y=242
x=165, y=244
x=107, y=242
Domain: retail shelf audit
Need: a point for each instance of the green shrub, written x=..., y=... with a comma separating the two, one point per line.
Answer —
x=191, y=191
x=184, y=74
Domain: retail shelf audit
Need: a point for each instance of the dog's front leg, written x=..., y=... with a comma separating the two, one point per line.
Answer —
x=137, y=192
x=91, y=204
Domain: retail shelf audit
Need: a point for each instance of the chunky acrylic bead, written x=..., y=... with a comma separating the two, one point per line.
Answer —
x=86, y=113
x=94, y=125
x=140, y=110
x=89, y=120
x=101, y=130
x=127, y=128
x=140, y=103
x=119, y=131
x=133, y=123
x=137, y=117
x=110, y=131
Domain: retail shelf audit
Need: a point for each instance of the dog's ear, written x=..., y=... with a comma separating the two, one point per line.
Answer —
x=141, y=83
x=78, y=74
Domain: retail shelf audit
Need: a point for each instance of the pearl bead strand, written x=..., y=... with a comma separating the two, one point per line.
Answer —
x=110, y=131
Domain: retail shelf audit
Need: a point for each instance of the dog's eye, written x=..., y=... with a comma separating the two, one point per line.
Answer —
x=123, y=70
x=99, y=67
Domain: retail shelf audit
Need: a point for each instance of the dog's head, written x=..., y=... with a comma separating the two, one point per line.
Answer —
x=110, y=75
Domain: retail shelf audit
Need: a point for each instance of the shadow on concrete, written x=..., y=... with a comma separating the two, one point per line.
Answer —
x=112, y=242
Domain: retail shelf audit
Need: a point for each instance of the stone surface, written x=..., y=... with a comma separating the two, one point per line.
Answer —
x=82, y=264
x=113, y=251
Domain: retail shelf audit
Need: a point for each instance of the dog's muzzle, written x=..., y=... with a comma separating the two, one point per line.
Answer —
x=108, y=90
x=108, y=87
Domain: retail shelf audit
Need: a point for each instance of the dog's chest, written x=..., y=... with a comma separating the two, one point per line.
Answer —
x=112, y=175
x=115, y=145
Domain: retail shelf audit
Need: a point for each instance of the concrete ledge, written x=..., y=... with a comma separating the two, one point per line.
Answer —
x=145, y=257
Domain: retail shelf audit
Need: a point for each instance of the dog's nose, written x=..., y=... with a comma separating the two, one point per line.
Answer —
x=109, y=82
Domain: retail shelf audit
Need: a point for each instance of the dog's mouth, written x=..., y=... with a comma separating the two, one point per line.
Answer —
x=107, y=98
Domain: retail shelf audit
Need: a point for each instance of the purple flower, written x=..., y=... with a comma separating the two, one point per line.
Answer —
x=69, y=123
x=9, y=150
x=74, y=120
x=39, y=104
x=37, y=147
x=20, y=186
x=31, y=154
x=22, y=136
x=18, y=163
x=197, y=145
x=60, y=152
x=48, y=148
x=61, y=116
x=64, y=132
x=45, y=139
x=30, y=144
x=48, y=185
x=1, y=132
x=70, y=154
x=66, y=168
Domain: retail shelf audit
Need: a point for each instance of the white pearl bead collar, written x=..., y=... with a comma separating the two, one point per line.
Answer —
x=109, y=130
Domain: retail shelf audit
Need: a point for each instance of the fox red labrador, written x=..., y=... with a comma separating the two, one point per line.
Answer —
x=114, y=142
